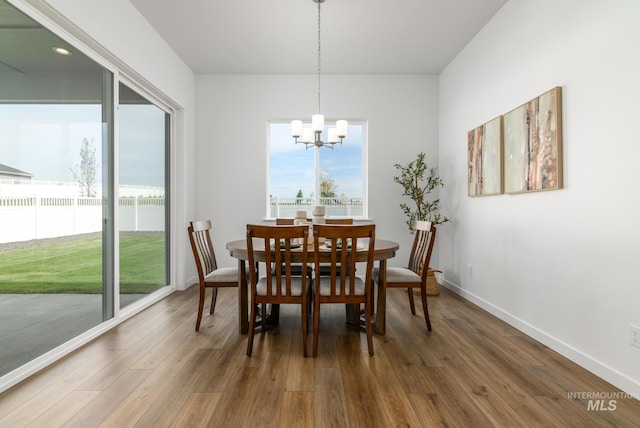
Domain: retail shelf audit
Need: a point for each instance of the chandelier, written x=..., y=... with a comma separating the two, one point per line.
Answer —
x=311, y=137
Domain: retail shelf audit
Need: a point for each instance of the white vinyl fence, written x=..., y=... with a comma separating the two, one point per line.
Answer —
x=37, y=217
x=334, y=207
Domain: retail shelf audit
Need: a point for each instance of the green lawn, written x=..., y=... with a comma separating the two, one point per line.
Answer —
x=76, y=266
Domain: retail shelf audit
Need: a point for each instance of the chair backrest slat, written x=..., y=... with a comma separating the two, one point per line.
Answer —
x=284, y=221
x=339, y=221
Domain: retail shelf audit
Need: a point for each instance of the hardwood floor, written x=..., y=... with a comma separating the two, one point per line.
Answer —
x=154, y=370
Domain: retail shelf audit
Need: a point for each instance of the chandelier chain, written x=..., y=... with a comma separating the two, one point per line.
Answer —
x=312, y=137
x=319, y=57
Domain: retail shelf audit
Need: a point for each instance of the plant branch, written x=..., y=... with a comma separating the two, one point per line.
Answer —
x=411, y=179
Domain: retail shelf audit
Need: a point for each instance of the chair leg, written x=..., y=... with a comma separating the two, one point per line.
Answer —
x=214, y=299
x=369, y=326
x=274, y=314
x=316, y=327
x=252, y=327
x=381, y=311
x=264, y=318
x=411, y=304
x=359, y=318
x=200, y=307
x=373, y=298
x=309, y=307
x=305, y=327
x=425, y=309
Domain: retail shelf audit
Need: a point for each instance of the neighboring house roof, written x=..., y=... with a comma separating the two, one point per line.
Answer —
x=12, y=172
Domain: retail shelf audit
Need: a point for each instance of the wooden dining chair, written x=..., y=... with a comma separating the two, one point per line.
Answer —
x=209, y=275
x=415, y=274
x=340, y=286
x=280, y=285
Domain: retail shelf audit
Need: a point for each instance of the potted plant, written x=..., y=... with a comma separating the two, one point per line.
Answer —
x=418, y=181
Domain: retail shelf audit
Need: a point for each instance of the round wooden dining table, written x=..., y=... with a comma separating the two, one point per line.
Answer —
x=383, y=250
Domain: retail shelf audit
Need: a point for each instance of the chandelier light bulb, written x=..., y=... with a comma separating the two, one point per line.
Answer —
x=296, y=128
x=333, y=135
x=317, y=122
x=341, y=126
x=307, y=136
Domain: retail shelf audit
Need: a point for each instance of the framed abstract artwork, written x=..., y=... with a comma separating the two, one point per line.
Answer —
x=533, y=144
x=485, y=159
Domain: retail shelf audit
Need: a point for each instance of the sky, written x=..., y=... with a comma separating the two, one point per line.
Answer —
x=292, y=167
x=44, y=140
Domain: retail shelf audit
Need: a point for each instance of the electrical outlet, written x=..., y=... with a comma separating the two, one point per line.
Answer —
x=635, y=336
x=469, y=270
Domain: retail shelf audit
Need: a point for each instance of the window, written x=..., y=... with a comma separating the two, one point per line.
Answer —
x=300, y=178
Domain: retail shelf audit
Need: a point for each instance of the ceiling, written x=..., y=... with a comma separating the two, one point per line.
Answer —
x=277, y=36
x=26, y=47
x=280, y=36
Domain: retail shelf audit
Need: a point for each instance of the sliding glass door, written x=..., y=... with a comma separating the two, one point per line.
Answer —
x=54, y=154
x=143, y=142
x=66, y=242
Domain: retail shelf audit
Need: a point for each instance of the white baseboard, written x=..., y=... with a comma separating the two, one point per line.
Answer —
x=189, y=283
x=611, y=375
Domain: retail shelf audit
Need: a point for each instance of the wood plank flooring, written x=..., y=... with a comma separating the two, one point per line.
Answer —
x=472, y=370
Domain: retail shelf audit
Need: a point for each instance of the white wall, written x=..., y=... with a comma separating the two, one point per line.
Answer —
x=118, y=27
x=557, y=264
x=232, y=112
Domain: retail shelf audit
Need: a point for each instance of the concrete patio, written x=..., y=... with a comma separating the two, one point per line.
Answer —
x=33, y=324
